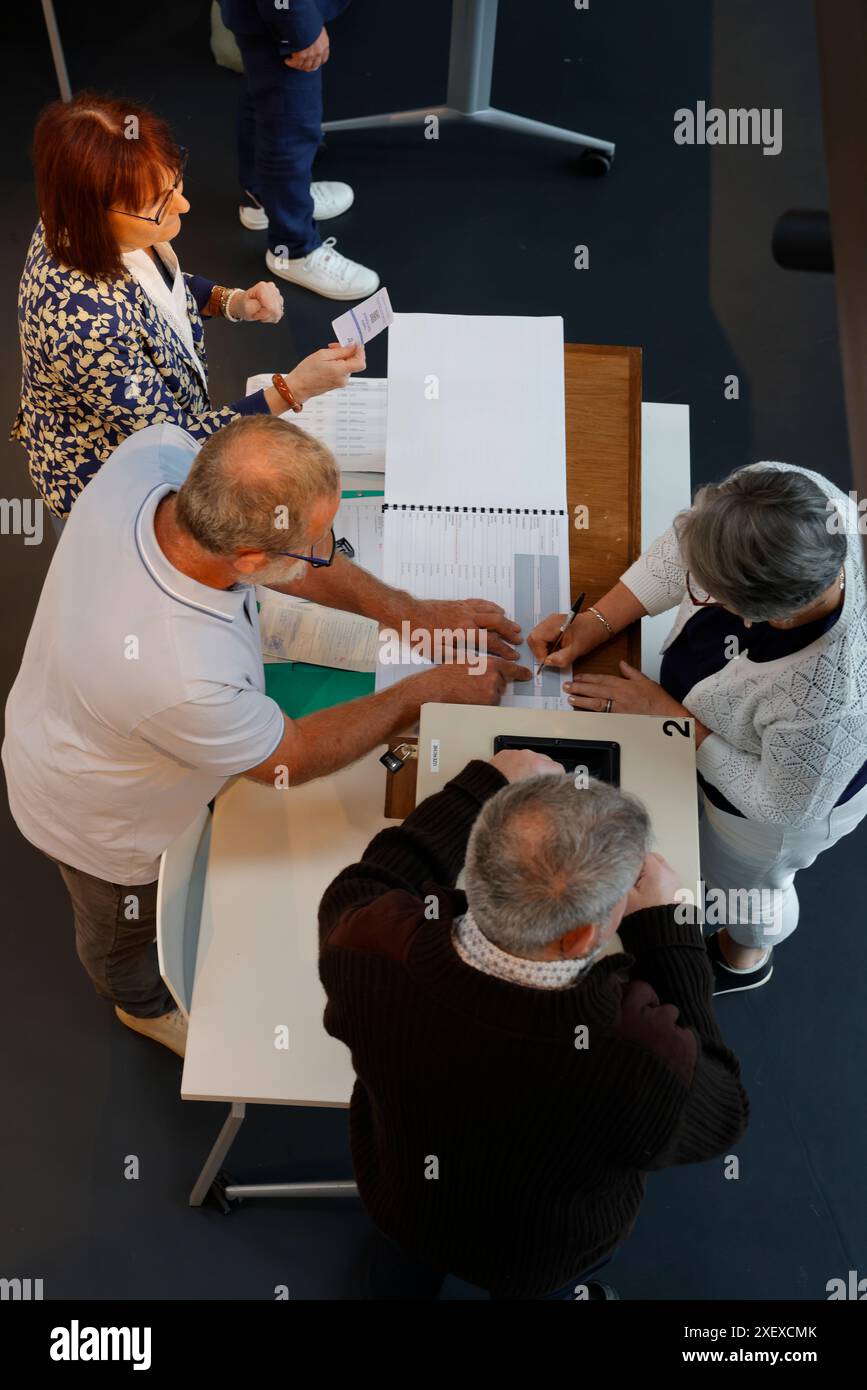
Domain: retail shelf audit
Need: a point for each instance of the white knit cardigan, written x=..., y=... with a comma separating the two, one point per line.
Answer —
x=788, y=735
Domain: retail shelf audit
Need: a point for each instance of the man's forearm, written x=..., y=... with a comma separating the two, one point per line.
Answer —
x=429, y=847
x=333, y=738
x=347, y=586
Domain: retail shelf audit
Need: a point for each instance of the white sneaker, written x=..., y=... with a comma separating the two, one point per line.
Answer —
x=326, y=272
x=253, y=215
x=329, y=200
x=169, y=1029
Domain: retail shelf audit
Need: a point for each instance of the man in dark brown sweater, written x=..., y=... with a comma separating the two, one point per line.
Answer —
x=526, y=1053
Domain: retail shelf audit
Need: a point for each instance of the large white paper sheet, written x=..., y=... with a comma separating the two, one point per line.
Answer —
x=350, y=421
x=519, y=561
x=476, y=411
x=359, y=520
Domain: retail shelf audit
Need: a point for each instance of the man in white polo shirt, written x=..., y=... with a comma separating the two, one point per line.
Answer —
x=142, y=691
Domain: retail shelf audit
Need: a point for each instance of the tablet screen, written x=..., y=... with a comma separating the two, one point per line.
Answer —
x=600, y=757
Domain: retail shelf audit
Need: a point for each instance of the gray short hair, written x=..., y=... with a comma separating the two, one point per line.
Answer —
x=544, y=857
x=759, y=542
x=252, y=485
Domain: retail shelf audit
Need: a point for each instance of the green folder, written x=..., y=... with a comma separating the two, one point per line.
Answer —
x=300, y=689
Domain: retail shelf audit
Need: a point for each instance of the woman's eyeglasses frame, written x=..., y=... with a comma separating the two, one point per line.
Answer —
x=699, y=602
x=160, y=214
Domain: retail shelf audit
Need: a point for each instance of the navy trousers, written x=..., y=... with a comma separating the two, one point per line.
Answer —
x=279, y=130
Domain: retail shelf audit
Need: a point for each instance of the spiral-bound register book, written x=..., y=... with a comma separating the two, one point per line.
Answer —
x=475, y=475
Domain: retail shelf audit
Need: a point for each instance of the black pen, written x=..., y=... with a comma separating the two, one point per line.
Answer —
x=568, y=623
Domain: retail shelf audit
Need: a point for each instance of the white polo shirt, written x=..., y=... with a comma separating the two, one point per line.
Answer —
x=141, y=691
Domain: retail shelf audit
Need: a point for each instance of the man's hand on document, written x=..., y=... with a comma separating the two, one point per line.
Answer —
x=469, y=683
x=454, y=625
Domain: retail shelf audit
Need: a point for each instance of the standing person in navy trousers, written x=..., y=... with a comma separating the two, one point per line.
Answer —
x=279, y=130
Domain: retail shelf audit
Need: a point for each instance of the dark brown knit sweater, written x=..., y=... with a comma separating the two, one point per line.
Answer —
x=484, y=1140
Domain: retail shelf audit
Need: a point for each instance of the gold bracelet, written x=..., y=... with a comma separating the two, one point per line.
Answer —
x=603, y=620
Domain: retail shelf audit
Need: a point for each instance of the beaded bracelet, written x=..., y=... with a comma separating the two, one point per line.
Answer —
x=224, y=305
x=218, y=304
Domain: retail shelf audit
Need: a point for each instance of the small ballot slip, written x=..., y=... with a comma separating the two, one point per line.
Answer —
x=362, y=323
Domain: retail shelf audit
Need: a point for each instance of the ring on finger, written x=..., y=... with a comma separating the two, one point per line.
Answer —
x=606, y=709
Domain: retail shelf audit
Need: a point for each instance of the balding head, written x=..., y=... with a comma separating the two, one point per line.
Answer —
x=544, y=858
x=253, y=485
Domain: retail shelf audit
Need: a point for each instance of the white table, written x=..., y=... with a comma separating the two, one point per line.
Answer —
x=272, y=855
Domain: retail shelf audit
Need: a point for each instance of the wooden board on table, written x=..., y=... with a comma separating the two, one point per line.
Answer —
x=603, y=473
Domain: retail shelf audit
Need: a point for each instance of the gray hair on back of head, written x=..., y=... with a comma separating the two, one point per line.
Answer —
x=760, y=542
x=545, y=857
x=252, y=484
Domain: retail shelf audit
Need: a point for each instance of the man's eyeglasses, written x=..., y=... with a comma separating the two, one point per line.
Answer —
x=706, y=602
x=161, y=210
x=319, y=561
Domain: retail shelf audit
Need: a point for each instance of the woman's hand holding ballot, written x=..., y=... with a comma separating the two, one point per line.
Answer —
x=325, y=370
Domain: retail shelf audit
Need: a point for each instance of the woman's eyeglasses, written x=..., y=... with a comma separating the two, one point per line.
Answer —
x=161, y=210
x=700, y=602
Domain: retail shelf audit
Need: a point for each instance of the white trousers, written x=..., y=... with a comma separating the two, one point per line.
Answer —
x=749, y=868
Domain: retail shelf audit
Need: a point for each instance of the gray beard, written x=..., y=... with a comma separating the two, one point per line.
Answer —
x=278, y=572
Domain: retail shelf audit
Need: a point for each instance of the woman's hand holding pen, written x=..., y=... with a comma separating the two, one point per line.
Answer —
x=582, y=636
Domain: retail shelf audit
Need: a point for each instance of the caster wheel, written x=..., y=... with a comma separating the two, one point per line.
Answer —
x=218, y=1193
x=595, y=163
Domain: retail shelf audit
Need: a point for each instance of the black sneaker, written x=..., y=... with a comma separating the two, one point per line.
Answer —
x=729, y=981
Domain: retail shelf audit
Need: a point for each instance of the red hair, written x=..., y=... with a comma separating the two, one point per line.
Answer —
x=92, y=154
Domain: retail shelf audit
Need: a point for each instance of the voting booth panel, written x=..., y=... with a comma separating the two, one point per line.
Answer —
x=180, y=894
x=665, y=491
x=657, y=762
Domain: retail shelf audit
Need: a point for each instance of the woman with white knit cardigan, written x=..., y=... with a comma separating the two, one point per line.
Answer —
x=768, y=654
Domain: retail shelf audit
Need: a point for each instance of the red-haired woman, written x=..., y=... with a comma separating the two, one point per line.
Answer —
x=111, y=330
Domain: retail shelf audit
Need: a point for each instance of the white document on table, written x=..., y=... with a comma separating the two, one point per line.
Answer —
x=476, y=412
x=359, y=521
x=475, y=480
x=350, y=421
x=294, y=629
x=519, y=560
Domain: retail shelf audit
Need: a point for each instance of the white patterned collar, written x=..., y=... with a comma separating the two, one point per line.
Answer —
x=476, y=950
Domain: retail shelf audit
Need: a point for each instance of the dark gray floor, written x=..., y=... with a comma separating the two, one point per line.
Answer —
x=475, y=223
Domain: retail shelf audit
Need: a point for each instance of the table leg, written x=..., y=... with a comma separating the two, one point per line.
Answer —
x=471, y=62
x=214, y=1161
